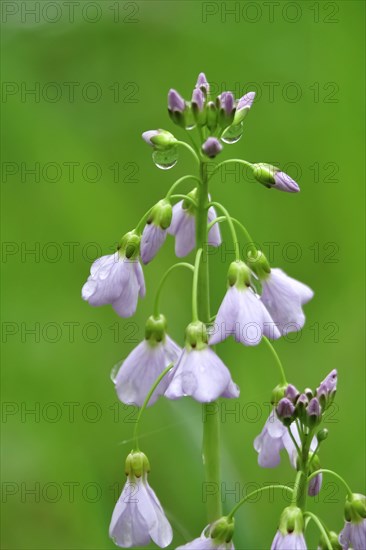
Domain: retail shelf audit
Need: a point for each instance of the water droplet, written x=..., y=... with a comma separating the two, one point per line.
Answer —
x=233, y=134
x=166, y=159
x=114, y=371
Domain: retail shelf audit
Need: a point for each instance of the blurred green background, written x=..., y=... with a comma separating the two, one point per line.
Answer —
x=100, y=75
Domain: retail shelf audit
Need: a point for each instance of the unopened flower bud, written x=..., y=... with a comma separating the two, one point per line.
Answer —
x=155, y=328
x=226, y=107
x=211, y=116
x=322, y=435
x=292, y=393
x=159, y=139
x=285, y=411
x=309, y=393
x=130, y=245
x=238, y=274
x=314, y=412
x=137, y=464
x=176, y=108
x=327, y=389
x=202, y=83
x=197, y=106
x=301, y=404
x=278, y=393
x=212, y=147
x=243, y=106
x=270, y=176
x=196, y=335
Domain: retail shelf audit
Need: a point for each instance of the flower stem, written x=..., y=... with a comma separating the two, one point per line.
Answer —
x=195, y=316
x=211, y=427
x=239, y=161
x=162, y=282
x=320, y=527
x=257, y=492
x=340, y=478
x=185, y=198
x=178, y=182
x=277, y=359
x=145, y=403
x=187, y=146
x=232, y=228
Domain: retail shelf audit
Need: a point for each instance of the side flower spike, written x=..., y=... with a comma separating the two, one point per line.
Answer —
x=242, y=314
x=200, y=373
x=155, y=231
x=282, y=295
x=138, y=517
x=117, y=279
x=290, y=534
x=354, y=531
x=217, y=536
x=183, y=227
x=145, y=363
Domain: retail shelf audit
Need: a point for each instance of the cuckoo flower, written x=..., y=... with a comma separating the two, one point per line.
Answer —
x=200, y=373
x=270, y=176
x=183, y=227
x=242, y=314
x=353, y=534
x=242, y=107
x=290, y=534
x=155, y=231
x=284, y=297
x=117, y=279
x=138, y=517
x=216, y=536
x=145, y=363
x=212, y=147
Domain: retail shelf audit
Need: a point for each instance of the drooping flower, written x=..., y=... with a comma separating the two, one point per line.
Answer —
x=200, y=373
x=117, y=279
x=155, y=231
x=183, y=227
x=241, y=313
x=290, y=534
x=284, y=297
x=353, y=534
x=273, y=177
x=138, y=517
x=216, y=536
x=138, y=372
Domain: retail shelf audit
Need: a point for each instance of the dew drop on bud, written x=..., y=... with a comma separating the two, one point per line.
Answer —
x=233, y=134
x=166, y=159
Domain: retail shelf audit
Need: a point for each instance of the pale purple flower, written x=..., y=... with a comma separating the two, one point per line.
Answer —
x=175, y=101
x=152, y=239
x=243, y=315
x=275, y=437
x=226, y=101
x=138, y=516
x=202, y=83
x=289, y=541
x=142, y=367
x=284, y=297
x=198, y=98
x=115, y=280
x=201, y=374
x=283, y=182
x=315, y=485
x=183, y=227
x=353, y=535
x=212, y=147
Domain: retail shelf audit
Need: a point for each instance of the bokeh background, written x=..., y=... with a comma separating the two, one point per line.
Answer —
x=100, y=72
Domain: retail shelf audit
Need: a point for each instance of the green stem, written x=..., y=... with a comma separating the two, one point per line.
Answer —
x=340, y=478
x=256, y=492
x=232, y=228
x=320, y=527
x=252, y=246
x=162, y=281
x=211, y=428
x=195, y=316
x=277, y=359
x=178, y=182
x=187, y=146
x=143, y=221
x=145, y=403
x=185, y=198
x=239, y=161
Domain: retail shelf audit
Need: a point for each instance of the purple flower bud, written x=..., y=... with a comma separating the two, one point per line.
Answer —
x=285, y=409
x=315, y=485
x=198, y=98
x=175, y=101
x=314, y=408
x=329, y=384
x=283, y=182
x=292, y=393
x=226, y=100
x=246, y=101
x=211, y=147
x=148, y=135
x=202, y=83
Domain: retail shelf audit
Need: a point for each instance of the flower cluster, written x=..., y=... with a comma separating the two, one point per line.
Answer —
x=261, y=303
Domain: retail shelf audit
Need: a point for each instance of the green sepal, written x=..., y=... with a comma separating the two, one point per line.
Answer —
x=278, y=393
x=211, y=116
x=264, y=173
x=161, y=214
x=292, y=520
x=333, y=538
x=130, y=245
x=163, y=140
x=238, y=274
x=222, y=530
x=137, y=464
x=155, y=329
x=259, y=264
x=196, y=336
